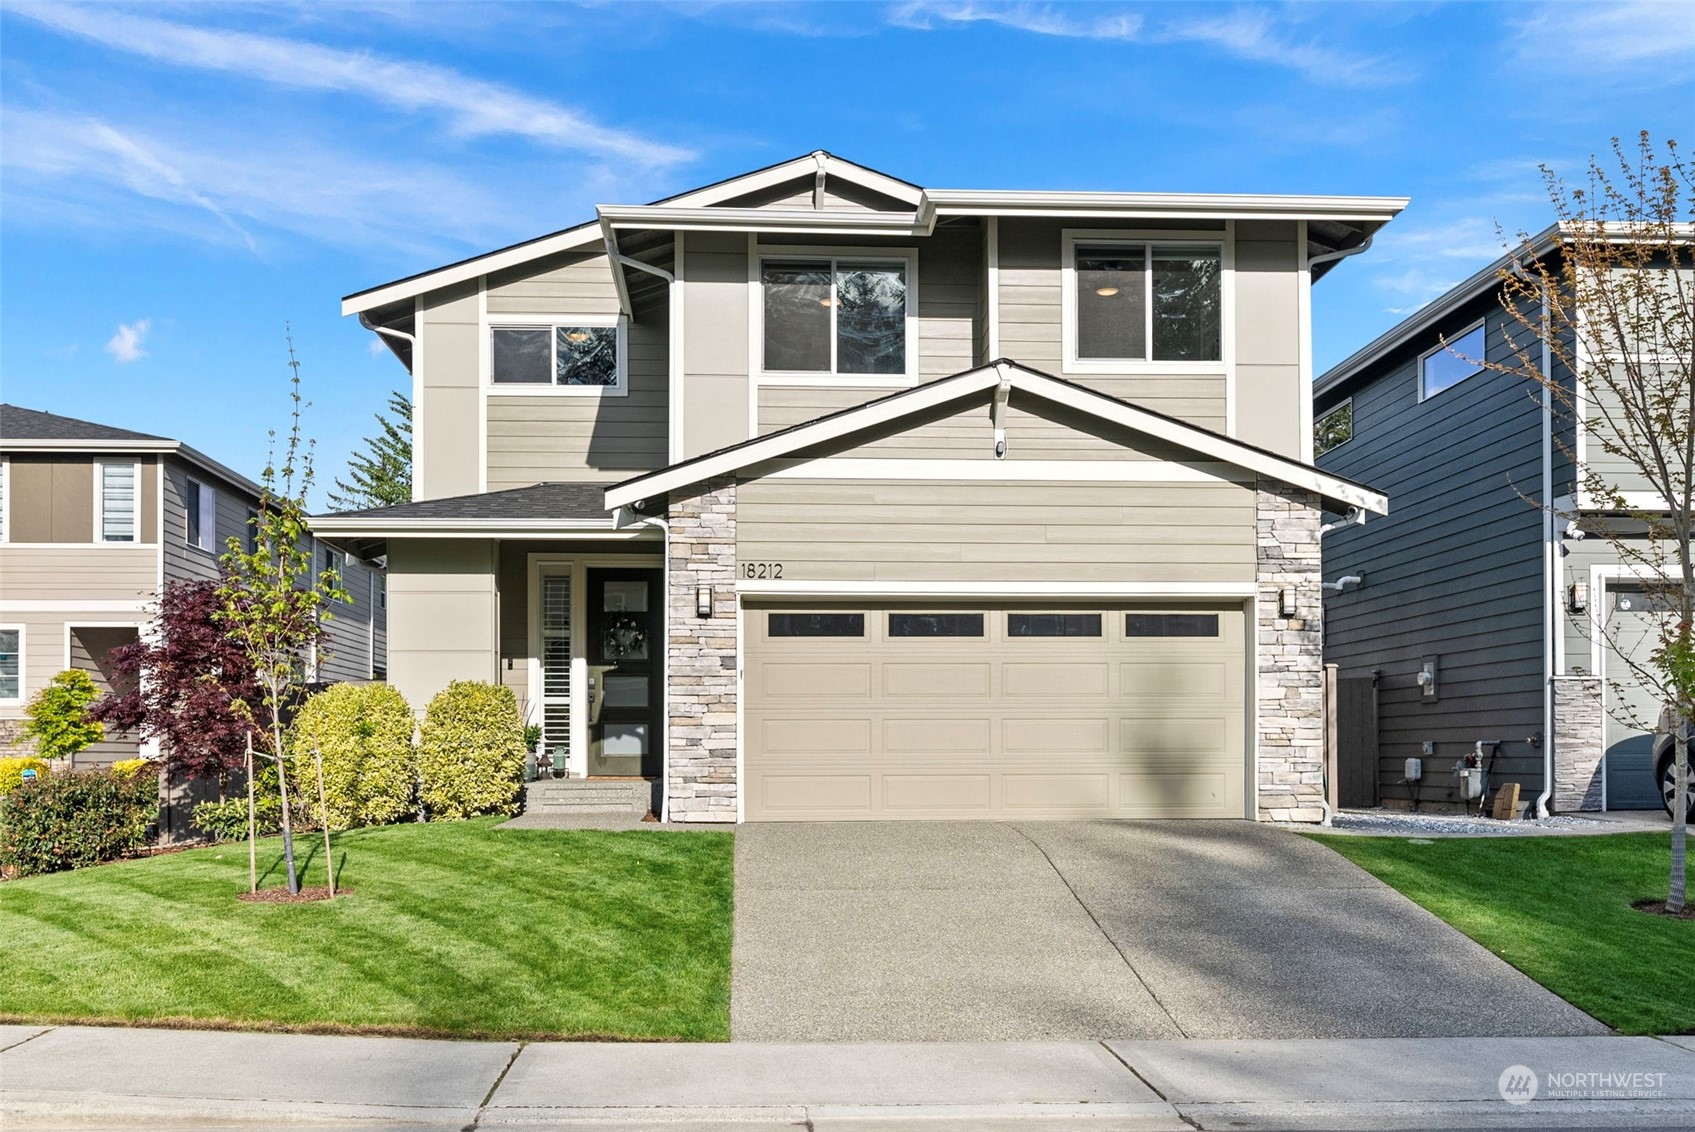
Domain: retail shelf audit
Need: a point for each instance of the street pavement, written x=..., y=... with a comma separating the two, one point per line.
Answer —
x=92, y=1078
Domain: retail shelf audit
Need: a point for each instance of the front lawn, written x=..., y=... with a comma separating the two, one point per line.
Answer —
x=1558, y=909
x=454, y=929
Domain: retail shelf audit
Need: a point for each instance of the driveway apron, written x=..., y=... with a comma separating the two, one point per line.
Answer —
x=1097, y=930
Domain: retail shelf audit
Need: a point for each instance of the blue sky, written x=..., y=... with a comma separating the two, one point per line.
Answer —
x=178, y=181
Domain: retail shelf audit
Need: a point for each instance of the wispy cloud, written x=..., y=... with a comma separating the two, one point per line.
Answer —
x=1611, y=35
x=125, y=343
x=1252, y=34
x=1039, y=19
x=471, y=107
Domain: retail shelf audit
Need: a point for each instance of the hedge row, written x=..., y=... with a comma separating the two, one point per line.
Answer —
x=76, y=818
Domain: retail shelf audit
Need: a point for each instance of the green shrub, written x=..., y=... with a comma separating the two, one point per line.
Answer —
x=471, y=757
x=57, y=716
x=12, y=771
x=365, y=734
x=66, y=821
x=227, y=820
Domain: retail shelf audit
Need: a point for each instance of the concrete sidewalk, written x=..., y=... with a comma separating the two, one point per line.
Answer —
x=84, y=1077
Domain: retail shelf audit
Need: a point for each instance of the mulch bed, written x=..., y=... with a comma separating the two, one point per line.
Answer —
x=284, y=896
x=1658, y=908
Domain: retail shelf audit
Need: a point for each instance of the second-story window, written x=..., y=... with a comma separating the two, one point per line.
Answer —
x=1136, y=301
x=1447, y=366
x=581, y=355
x=116, y=494
x=1335, y=427
x=201, y=504
x=841, y=316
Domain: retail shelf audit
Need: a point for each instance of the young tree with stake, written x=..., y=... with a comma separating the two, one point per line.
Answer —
x=1614, y=304
x=271, y=603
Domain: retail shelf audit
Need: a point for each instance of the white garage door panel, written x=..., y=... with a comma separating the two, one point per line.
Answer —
x=994, y=726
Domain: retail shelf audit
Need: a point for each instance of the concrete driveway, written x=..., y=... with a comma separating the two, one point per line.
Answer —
x=1094, y=930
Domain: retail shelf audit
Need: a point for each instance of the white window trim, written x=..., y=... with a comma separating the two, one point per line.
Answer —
x=23, y=669
x=1224, y=241
x=5, y=499
x=552, y=322
x=208, y=532
x=1344, y=403
x=100, y=538
x=1439, y=348
x=758, y=254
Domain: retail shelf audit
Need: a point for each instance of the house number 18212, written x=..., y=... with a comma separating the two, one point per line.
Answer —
x=765, y=570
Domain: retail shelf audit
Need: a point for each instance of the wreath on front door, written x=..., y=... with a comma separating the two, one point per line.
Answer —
x=623, y=636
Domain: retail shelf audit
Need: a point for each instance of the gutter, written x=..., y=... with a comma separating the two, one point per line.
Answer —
x=1342, y=253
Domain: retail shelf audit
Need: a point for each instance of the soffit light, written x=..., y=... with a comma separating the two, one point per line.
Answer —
x=576, y=336
x=1106, y=292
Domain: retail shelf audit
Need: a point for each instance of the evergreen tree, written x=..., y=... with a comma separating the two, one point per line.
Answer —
x=380, y=476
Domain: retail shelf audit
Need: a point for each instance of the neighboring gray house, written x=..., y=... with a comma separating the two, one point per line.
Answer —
x=94, y=521
x=816, y=494
x=1471, y=581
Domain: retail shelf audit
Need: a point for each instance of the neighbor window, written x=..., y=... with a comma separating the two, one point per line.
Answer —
x=935, y=624
x=1053, y=624
x=201, y=503
x=1143, y=302
x=330, y=560
x=117, y=489
x=1447, y=366
x=250, y=532
x=1333, y=428
x=816, y=625
x=843, y=316
x=1171, y=624
x=557, y=356
x=11, y=665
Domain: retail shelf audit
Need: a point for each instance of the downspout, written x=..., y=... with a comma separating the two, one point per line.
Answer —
x=1341, y=253
x=410, y=339
x=1551, y=576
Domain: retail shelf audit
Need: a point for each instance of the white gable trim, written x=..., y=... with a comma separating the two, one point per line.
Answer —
x=1197, y=440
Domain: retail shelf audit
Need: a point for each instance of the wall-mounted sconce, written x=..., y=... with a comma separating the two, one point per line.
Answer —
x=1577, y=598
x=1428, y=668
x=703, y=601
x=1286, y=601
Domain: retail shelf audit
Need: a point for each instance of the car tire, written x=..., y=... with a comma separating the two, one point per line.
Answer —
x=1666, y=775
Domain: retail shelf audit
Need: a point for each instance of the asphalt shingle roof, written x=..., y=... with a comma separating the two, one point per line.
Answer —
x=17, y=423
x=540, y=501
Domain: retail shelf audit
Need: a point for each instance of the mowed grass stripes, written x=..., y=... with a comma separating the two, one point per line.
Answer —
x=453, y=929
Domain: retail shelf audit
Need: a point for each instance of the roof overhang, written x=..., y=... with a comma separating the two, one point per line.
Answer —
x=1345, y=494
x=1162, y=206
x=368, y=536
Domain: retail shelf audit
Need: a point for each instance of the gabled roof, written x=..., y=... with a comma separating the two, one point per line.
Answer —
x=590, y=231
x=30, y=430
x=1337, y=221
x=839, y=425
x=542, y=503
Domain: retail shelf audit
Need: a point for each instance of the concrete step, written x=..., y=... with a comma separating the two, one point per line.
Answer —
x=588, y=796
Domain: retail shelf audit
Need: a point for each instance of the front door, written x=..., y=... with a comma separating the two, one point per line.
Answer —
x=626, y=636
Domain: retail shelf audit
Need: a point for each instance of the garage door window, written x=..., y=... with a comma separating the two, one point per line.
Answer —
x=1171, y=624
x=816, y=625
x=935, y=624
x=1053, y=624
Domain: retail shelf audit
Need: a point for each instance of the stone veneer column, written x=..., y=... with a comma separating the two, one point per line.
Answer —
x=1290, y=707
x=700, y=696
x=1579, y=742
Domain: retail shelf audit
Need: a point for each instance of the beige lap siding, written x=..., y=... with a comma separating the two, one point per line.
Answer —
x=700, y=771
x=851, y=530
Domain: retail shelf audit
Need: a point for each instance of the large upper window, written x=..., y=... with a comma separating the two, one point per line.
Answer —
x=117, y=488
x=1136, y=301
x=843, y=316
x=1447, y=366
x=579, y=355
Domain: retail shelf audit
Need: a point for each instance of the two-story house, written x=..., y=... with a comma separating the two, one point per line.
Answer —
x=95, y=521
x=1482, y=613
x=815, y=494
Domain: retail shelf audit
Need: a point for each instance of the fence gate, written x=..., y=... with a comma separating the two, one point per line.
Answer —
x=1356, y=741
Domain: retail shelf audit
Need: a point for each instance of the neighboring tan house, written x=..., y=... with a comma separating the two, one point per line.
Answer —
x=1512, y=615
x=816, y=495
x=94, y=521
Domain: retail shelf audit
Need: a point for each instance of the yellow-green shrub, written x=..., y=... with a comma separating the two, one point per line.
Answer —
x=365, y=734
x=12, y=771
x=471, y=757
x=133, y=766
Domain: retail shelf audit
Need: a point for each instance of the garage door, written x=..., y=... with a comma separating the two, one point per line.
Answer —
x=890, y=712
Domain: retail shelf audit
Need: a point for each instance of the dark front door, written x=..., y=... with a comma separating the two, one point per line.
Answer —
x=626, y=636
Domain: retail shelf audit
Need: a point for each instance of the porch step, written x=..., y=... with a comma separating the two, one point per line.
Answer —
x=588, y=796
